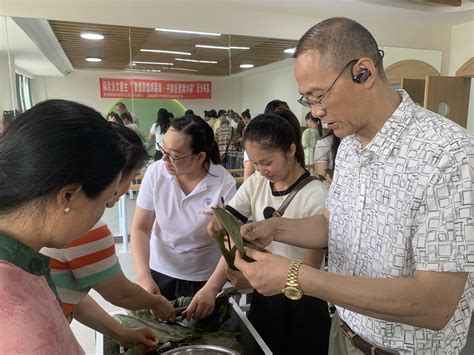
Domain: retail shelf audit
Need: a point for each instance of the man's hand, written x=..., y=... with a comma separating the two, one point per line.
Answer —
x=162, y=308
x=267, y=274
x=260, y=233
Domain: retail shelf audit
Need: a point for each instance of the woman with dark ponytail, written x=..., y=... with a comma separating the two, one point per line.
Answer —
x=172, y=253
x=273, y=144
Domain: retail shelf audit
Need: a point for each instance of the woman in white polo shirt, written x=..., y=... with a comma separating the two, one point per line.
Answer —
x=273, y=144
x=172, y=252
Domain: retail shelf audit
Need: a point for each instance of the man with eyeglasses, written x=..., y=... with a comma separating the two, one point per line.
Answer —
x=399, y=221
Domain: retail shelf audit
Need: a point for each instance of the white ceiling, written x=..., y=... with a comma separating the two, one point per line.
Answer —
x=30, y=59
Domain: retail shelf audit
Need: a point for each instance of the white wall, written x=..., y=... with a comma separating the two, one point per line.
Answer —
x=462, y=49
x=83, y=86
x=269, y=83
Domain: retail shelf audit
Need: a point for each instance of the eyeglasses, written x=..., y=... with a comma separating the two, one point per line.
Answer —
x=318, y=101
x=171, y=158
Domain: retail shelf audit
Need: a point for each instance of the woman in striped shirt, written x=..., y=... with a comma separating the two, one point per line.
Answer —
x=91, y=262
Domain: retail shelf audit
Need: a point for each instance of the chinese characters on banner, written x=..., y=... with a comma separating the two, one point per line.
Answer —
x=154, y=89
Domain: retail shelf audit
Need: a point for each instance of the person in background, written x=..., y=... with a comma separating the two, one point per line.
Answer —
x=324, y=158
x=271, y=107
x=128, y=121
x=220, y=116
x=246, y=116
x=114, y=117
x=189, y=113
x=400, y=208
x=171, y=114
x=273, y=143
x=158, y=130
x=7, y=119
x=91, y=262
x=50, y=196
x=310, y=137
x=226, y=139
x=210, y=117
x=121, y=108
x=172, y=253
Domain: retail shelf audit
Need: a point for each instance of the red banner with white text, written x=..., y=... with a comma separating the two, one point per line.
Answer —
x=154, y=89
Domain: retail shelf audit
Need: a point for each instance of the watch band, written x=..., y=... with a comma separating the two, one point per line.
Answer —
x=292, y=279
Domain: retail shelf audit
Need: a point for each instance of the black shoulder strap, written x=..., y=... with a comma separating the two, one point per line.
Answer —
x=284, y=205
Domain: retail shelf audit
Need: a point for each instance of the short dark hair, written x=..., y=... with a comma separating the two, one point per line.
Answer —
x=221, y=113
x=339, y=40
x=54, y=144
x=117, y=117
x=276, y=131
x=201, y=134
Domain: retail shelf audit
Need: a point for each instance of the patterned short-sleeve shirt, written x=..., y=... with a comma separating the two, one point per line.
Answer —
x=405, y=202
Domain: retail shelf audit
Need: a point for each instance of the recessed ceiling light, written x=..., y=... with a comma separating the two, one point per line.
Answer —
x=190, y=32
x=246, y=66
x=91, y=35
x=196, y=61
x=219, y=47
x=290, y=50
x=157, y=63
x=163, y=51
x=94, y=59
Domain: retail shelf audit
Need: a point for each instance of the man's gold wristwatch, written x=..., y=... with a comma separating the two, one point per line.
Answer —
x=292, y=288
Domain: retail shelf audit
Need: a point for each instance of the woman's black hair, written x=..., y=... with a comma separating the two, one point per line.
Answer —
x=126, y=116
x=117, y=118
x=310, y=117
x=276, y=131
x=54, y=144
x=246, y=114
x=189, y=113
x=163, y=120
x=201, y=134
x=274, y=104
x=134, y=148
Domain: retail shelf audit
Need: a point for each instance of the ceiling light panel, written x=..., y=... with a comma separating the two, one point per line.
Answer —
x=196, y=61
x=220, y=47
x=94, y=59
x=92, y=36
x=188, y=32
x=164, y=51
x=155, y=63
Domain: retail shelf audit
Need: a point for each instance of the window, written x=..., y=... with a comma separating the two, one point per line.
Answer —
x=23, y=92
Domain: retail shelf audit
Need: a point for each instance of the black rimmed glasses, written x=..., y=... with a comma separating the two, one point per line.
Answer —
x=318, y=101
x=171, y=158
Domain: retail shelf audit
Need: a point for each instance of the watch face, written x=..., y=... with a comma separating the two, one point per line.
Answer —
x=293, y=293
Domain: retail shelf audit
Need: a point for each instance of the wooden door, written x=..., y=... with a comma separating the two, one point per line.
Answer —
x=453, y=92
x=415, y=88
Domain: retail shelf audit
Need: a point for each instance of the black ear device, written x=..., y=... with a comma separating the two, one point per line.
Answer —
x=362, y=76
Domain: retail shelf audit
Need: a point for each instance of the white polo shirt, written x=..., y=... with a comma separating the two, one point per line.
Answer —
x=256, y=194
x=179, y=245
